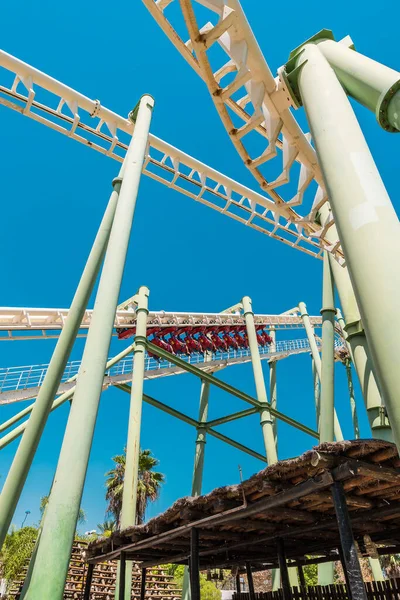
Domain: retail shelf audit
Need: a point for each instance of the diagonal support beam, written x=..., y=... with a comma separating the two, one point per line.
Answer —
x=226, y=387
x=186, y=419
x=164, y=407
x=232, y=417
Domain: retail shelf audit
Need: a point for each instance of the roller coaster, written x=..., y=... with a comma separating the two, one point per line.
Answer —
x=320, y=193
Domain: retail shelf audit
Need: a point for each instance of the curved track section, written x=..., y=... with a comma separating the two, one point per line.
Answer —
x=251, y=104
x=42, y=98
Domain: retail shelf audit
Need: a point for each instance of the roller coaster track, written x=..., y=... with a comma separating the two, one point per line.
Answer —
x=38, y=323
x=253, y=105
x=45, y=100
x=22, y=383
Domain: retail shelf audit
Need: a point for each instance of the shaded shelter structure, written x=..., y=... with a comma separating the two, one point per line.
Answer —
x=332, y=503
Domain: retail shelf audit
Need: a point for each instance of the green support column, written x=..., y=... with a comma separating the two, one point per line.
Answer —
x=317, y=360
x=367, y=223
x=374, y=85
x=58, y=526
x=327, y=404
x=357, y=342
x=40, y=410
x=316, y=391
x=272, y=385
x=327, y=395
x=198, y=462
x=129, y=494
x=373, y=562
x=353, y=406
x=265, y=415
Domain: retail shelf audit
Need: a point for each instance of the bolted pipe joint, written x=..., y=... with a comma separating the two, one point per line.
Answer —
x=375, y=86
x=148, y=99
x=247, y=306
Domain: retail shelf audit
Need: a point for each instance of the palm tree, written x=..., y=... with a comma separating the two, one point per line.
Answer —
x=149, y=484
x=107, y=528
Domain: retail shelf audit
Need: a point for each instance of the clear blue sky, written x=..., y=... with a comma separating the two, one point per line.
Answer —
x=54, y=191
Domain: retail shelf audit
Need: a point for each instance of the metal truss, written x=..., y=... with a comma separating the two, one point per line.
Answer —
x=47, y=101
x=253, y=106
x=37, y=323
x=22, y=383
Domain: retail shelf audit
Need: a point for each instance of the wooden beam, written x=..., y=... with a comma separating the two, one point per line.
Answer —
x=194, y=565
x=250, y=581
x=122, y=576
x=286, y=591
x=306, y=488
x=350, y=556
x=88, y=582
x=352, y=468
x=143, y=585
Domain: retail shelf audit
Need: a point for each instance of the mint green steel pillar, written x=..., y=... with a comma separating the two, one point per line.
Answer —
x=265, y=415
x=357, y=341
x=367, y=223
x=327, y=394
x=374, y=85
x=316, y=391
x=40, y=410
x=353, y=406
x=327, y=404
x=317, y=361
x=129, y=493
x=58, y=526
x=272, y=384
x=198, y=468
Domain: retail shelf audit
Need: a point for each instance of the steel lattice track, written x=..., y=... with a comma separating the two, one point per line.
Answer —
x=249, y=100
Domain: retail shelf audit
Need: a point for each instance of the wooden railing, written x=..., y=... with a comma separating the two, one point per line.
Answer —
x=376, y=590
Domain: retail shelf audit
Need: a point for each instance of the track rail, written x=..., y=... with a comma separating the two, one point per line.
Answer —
x=23, y=383
x=42, y=98
x=251, y=104
x=33, y=323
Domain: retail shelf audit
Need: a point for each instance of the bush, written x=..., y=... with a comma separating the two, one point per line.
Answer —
x=208, y=589
x=16, y=552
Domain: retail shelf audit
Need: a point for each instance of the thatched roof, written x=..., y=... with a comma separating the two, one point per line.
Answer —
x=289, y=499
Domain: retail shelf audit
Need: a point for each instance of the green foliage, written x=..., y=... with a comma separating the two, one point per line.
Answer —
x=208, y=589
x=107, y=528
x=149, y=484
x=311, y=574
x=16, y=551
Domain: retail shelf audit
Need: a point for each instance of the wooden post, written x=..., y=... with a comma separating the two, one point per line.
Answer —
x=88, y=582
x=346, y=576
x=238, y=586
x=301, y=576
x=250, y=581
x=351, y=562
x=122, y=571
x=143, y=585
x=194, y=564
x=287, y=594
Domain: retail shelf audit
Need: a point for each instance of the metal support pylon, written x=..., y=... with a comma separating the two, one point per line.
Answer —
x=317, y=363
x=364, y=215
x=198, y=467
x=33, y=428
x=53, y=550
x=327, y=395
x=357, y=342
x=265, y=415
x=129, y=494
